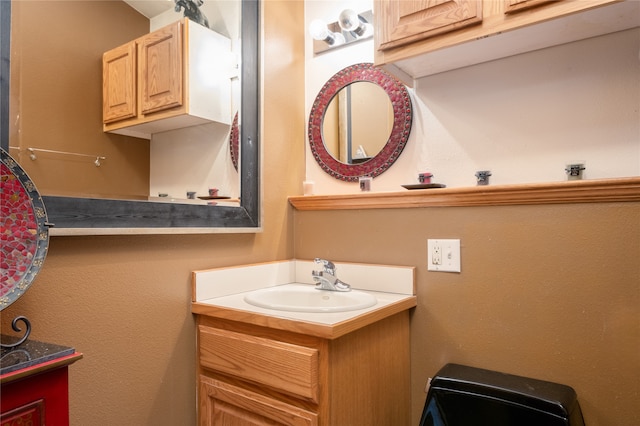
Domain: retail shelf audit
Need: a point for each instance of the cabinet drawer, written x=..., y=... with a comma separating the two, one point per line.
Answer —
x=225, y=404
x=286, y=367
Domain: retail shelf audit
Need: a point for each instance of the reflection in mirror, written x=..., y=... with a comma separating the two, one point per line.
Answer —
x=352, y=142
x=58, y=102
x=234, y=146
x=357, y=123
x=56, y=106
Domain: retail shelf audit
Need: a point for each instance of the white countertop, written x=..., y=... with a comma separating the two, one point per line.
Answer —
x=219, y=294
x=236, y=301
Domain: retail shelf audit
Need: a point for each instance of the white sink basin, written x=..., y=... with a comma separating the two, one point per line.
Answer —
x=306, y=298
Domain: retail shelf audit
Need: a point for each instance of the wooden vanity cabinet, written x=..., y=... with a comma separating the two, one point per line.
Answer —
x=255, y=375
x=155, y=83
x=407, y=30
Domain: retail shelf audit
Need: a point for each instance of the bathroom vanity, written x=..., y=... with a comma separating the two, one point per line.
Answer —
x=263, y=366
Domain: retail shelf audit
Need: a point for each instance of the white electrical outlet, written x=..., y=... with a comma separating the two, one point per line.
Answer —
x=436, y=254
x=443, y=255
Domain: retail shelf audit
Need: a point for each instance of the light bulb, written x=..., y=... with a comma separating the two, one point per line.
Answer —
x=350, y=21
x=367, y=31
x=354, y=23
x=338, y=39
x=318, y=30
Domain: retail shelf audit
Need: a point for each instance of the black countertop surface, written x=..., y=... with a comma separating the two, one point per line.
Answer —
x=29, y=354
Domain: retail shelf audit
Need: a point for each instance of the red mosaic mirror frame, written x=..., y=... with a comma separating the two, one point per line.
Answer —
x=234, y=146
x=402, y=116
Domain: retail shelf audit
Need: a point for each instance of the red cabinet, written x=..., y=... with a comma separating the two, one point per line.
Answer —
x=36, y=393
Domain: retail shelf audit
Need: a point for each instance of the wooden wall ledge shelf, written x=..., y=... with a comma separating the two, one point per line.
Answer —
x=580, y=191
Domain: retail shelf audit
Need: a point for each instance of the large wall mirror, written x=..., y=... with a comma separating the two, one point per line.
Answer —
x=80, y=54
x=360, y=122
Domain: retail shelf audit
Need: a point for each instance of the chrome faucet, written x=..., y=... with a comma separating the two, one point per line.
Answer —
x=326, y=279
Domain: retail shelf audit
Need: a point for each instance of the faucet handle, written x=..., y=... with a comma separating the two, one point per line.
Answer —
x=329, y=267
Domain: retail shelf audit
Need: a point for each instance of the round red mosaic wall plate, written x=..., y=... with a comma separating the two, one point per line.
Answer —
x=24, y=232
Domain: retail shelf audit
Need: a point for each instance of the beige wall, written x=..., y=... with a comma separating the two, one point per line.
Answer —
x=124, y=301
x=549, y=291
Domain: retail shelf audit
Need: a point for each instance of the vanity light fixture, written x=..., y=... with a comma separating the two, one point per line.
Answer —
x=349, y=28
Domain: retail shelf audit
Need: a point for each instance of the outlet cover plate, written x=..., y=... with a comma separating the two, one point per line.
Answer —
x=443, y=255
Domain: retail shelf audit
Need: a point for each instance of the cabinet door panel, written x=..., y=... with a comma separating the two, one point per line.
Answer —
x=225, y=404
x=29, y=414
x=119, y=83
x=410, y=20
x=160, y=72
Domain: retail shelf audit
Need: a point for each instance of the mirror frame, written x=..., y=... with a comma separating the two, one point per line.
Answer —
x=93, y=216
x=402, y=116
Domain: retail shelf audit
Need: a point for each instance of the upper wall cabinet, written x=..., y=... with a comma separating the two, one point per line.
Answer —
x=404, y=22
x=416, y=38
x=177, y=76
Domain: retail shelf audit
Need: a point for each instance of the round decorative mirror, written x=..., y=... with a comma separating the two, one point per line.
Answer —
x=359, y=123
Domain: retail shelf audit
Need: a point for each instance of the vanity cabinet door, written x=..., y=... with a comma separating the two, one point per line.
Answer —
x=225, y=404
x=403, y=22
x=160, y=69
x=119, y=83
